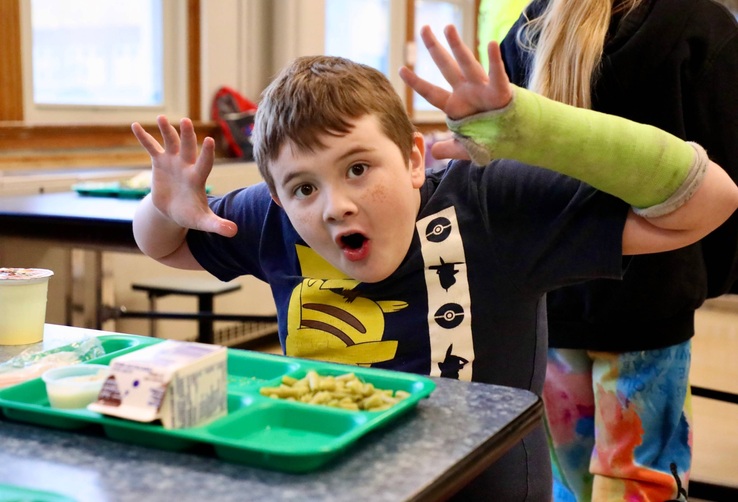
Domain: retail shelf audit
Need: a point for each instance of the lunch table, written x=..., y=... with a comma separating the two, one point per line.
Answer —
x=428, y=453
x=67, y=218
x=73, y=221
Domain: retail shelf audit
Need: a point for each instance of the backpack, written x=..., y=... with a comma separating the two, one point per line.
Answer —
x=234, y=115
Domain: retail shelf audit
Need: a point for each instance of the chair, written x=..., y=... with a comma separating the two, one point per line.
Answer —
x=205, y=289
x=705, y=490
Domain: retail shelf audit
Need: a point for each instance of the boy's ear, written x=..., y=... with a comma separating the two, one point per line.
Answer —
x=417, y=160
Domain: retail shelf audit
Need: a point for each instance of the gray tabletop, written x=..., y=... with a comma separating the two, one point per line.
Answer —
x=427, y=454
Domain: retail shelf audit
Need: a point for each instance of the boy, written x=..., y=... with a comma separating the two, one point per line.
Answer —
x=373, y=261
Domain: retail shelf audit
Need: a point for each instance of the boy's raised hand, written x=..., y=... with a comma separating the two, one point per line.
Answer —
x=472, y=90
x=179, y=176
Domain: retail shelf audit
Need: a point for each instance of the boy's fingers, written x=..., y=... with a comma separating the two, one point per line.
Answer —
x=188, y=140
x=411, y=79
x=472, y=70
x=227, y=228
x=217, y=225
x=204, y=162
x=147, y=140
x=432, y=93
x=169, y=134
x=449, y=149
x=444, y=61
x=497, y=74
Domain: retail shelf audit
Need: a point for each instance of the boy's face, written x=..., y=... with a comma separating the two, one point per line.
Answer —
x=354, y=202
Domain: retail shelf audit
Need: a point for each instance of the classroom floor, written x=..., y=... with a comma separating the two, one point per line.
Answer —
x=714, y=351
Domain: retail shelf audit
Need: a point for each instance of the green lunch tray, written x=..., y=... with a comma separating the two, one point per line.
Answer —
x=113, y=189
x=110, y=189
x=259, y=431
x=12, y=493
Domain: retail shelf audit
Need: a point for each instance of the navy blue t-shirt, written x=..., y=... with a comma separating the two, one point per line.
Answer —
x=466, y=302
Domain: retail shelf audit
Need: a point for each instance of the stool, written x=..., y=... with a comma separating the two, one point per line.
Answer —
x=205, y=289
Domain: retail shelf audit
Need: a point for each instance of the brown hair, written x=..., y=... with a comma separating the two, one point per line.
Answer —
x=317, y=95
x=732, y=5
x=568, y=39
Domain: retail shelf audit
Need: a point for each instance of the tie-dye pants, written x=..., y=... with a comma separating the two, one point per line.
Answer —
x=619, y=424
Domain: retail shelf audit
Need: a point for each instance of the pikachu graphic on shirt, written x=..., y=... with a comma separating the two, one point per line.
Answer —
x=330, y=321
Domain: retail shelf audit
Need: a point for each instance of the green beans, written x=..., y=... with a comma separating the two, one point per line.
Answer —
x=345, y=391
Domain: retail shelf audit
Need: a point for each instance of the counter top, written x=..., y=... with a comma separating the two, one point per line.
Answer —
x=425, y=455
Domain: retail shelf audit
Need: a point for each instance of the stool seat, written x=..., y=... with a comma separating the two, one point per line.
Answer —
x=185, y=286
x=204, y=288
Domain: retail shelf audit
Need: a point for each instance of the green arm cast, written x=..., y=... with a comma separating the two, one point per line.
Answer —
x=638, y=163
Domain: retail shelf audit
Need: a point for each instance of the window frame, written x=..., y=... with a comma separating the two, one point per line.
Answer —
x=301, y=30
x=174, y=73
x=431, y=118
x=54, y=146
x=25, y=147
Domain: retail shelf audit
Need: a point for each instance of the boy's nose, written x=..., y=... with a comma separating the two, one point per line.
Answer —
x=338, y=206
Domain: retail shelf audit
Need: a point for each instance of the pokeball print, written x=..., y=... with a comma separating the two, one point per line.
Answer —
x=449, y=315
x=438, y=229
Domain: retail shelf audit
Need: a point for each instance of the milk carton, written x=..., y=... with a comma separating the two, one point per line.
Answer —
x=183, y=384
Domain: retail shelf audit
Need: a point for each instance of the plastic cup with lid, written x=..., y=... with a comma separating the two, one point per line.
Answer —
x=23, y=295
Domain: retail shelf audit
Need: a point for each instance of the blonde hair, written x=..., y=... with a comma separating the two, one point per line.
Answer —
x=567, y=40
x=318, y=95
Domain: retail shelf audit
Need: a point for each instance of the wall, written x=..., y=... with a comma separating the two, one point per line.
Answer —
x=236, y=48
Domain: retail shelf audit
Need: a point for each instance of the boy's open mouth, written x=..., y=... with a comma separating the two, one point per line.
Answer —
x=355, y=246
x=353, y=241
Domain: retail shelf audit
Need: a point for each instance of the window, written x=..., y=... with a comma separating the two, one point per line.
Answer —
x=243, y=44
x=360, y=30
x=38, y=138
x=103, y=61
x=377, y=33
x=437, y=14
x=93, y=53
x=380, y=33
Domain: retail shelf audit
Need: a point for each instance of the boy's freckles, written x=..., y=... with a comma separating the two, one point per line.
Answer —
x=378, y=194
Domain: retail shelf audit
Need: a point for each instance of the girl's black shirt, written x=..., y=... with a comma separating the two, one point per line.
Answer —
x=672, y=64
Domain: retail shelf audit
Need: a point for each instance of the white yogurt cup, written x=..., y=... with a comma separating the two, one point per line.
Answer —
x=74, y=386
x=23, y=294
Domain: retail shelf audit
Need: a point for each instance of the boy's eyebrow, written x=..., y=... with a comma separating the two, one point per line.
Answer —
x=349, y=153
x=354, y=151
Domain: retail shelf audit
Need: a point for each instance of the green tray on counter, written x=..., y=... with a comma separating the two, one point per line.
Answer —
x=12, y=493
x=259, y=431
x=110, y=189
x=113, y=189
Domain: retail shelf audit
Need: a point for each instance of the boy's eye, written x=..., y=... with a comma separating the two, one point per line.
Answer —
x=357, y=170
x=303, y=191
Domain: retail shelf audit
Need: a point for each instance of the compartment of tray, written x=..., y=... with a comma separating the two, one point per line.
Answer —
x=115, y=344
x=285, y=436
x=28, y=402
x=416, y=386
x=247, y=371
x=156, y=436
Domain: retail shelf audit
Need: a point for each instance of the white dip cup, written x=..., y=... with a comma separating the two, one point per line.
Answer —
x=23, y=293
x=74, y=386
